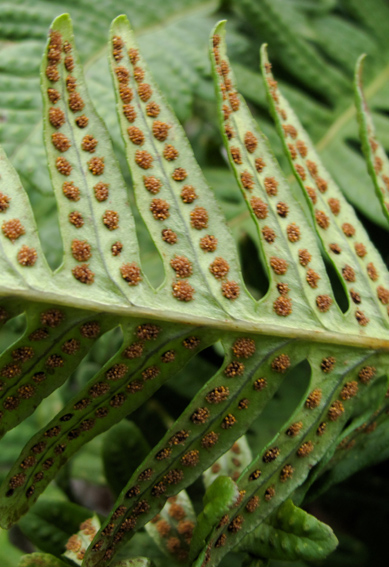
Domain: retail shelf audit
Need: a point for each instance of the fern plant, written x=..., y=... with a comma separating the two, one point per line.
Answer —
x=202, y=301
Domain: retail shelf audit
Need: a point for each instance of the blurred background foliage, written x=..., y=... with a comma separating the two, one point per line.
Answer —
x=314, y=45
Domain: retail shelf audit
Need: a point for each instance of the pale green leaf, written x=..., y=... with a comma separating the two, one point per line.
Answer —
x=291, y=534
x=201, y=300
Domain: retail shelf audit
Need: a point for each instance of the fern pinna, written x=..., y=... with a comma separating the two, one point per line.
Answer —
x=202, y=300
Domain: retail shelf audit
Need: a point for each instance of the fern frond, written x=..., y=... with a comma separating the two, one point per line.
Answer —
x=377, y=160
x=101, y=285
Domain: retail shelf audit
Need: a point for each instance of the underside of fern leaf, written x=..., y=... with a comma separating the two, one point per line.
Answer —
x=202, y=300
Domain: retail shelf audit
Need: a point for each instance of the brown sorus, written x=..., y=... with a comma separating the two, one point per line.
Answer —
x=116, y=248
x=89, y=143
x=336, y=410
x=169, y=236
x=322, y=219
x=182, y=266
x=71, y=83
x=170, y=153
x=286, y=473
x=56, y=117
x=244, y=347
x=131, y=273
x=348, y=229
x=90, y=330
x=293, y=232
x=188, y=194
x=83, y=274
x=282, y=209
x=301, y=171
x=304, y=257
x=314, y=399
x=334, y=206
x=360, y=249
x=125, y=93
x=13, y=229
x=234, y=369
x=129, y=112
x=327, y=364
x=200, y=416
x=268, y=234
x=305, y=449
x=312, y=194
x=82, y=121
x=199, y=218
x=101, y=191
x=70, y=191
x=96, y=165
x=76, y=219
x=63, y=166
x=247, y=180
x=60, y=142
x=260, y=384
x=160, y=130
x=191, y=343
x=152, y=184
x=219, y=268
x=323, y=302
x=75, y=102
x=52, y=73
x=152, y=109
x=145, y=91
x=69, y=63
x=349, y=390
x=279, y=265
x=81, y=250
x=217, y=395
x=260, y=208
x=143, y=159
x=230, y=290
x=250, y=142
x=228, y=422
x=281, y=363
x=136, y=135
x=208, y=243
x=335, y=248
x=111, y=220
x=160, y=209
x=27, y=256
x=283, y=306
x=4, y=202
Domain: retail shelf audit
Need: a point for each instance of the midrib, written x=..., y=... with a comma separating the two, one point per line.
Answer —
x=260, y=327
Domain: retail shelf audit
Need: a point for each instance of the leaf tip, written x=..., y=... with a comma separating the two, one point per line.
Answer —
x=62, y=23
x=264, y=54
x=220, y=28
x=359, y=70
x=118, y=22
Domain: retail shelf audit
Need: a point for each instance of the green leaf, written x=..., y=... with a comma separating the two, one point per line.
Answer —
x=78, y=542
x=202, y=430
x=220, y=497
x=291, y=534
x=172, y=529
x=315, y=53
x=135, y=562
x=337, y=225
x=148, y=334
x=123, y=449
x=377, y=160
x=40, y=560
x=231, y=463
x=9, y=554
x=50, y=524
x=277, y=471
